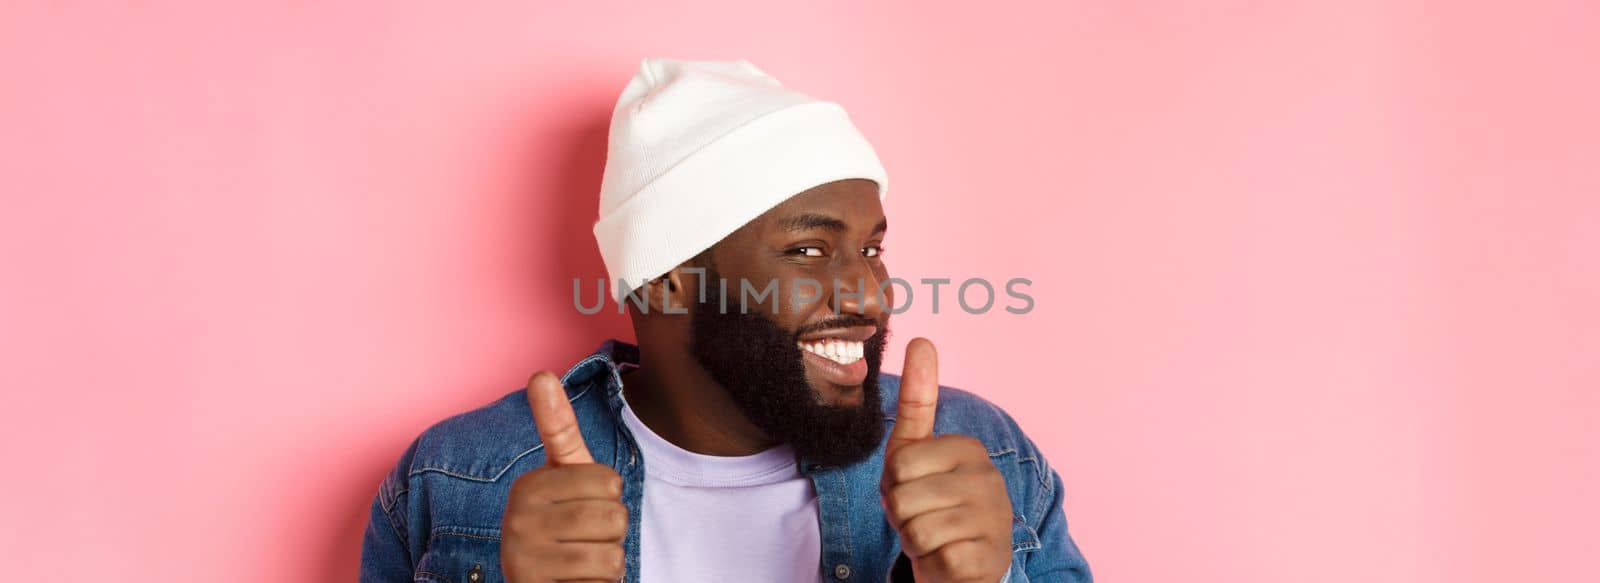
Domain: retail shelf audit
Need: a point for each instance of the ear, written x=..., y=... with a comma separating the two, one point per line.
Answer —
x=674, y=291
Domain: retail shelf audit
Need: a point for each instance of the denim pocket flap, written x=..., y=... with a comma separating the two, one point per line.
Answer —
x=1023, y=538
x=461, y=555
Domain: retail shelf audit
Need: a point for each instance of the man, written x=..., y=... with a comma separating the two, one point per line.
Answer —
x=749, y=436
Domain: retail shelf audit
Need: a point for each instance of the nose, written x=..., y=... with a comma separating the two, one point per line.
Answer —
x=855, y=290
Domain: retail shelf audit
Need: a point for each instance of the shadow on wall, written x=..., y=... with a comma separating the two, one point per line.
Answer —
x=555, y=209
x=565, y=211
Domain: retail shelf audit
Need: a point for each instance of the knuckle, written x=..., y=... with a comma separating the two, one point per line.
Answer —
x=595, y=513
x=891, y=470
x=968, y=444
x=601, y=477
x=916, y=535
x=900, y=474
x=617, y=517
x=1000, y=529
x=518, y=525
x=529, y=481
x=572, y=556
x=614, y=560
x=942, y=561
x=916, y=449
x=903, y=467
x=899, y=499
x=960, y=560
x=893, y=461
x=992, y=477
x=582, y=511
x=896, y=506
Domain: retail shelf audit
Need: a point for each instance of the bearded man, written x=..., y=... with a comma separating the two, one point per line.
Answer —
x=749, y=435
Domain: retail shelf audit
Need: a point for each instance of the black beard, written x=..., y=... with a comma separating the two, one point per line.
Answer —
x=758, y=364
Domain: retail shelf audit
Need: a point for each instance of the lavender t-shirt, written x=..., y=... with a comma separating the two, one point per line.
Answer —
x=714, y=518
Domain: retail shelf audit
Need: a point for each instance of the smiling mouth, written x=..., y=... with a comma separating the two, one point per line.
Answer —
x=840, y=351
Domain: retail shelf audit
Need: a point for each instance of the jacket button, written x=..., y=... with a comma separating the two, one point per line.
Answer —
x=476, y=574
x=841, y=571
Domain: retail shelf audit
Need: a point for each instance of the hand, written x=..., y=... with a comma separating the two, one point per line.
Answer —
x=942, y=494
x=564, y=521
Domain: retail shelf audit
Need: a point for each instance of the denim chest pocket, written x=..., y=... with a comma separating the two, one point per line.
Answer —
x=461, y=555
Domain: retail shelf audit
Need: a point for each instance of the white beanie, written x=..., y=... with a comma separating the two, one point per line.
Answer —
x=699, y=148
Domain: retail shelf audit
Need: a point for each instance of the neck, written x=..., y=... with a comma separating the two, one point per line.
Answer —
x=677, y=399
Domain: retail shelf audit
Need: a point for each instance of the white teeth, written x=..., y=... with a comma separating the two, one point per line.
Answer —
x=840, y=351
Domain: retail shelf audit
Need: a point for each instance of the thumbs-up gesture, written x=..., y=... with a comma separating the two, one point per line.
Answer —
x=564, y=521
x=941, y=493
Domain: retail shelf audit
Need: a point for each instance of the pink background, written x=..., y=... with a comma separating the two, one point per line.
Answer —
x=1318, y=285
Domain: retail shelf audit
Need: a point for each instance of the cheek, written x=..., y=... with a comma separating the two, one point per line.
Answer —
x=772, y=296
x=791, y=311
x=748, y=289
x=799, y=289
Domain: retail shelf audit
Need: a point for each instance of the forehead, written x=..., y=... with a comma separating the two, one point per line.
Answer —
x=854, y=201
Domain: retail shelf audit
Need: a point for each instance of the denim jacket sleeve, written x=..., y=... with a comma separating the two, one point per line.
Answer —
x=1064, y=562
x=385, y=547
x=1042, y=547
x=1056, y=558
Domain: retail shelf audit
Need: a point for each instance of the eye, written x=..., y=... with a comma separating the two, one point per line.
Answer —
x=807, y=251
x=872, y=250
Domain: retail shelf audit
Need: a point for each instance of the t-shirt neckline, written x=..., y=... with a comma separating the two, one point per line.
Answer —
x=666, y=461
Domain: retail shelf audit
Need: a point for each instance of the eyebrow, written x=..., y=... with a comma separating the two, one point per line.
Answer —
x=808, y=221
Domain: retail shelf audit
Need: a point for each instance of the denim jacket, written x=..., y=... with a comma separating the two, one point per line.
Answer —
x=436, y=516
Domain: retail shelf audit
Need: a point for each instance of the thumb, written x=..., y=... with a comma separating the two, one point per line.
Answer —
x=919, y=394
x=555, y=421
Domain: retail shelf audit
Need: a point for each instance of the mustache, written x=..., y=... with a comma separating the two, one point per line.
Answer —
x=843, y=321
